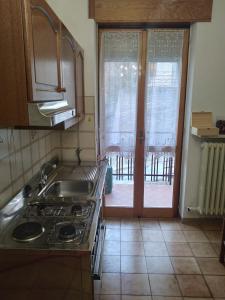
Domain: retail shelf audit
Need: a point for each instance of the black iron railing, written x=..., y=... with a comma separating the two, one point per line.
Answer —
x=157, y=168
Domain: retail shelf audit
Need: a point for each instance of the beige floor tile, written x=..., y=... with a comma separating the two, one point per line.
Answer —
x=216, y=285
x=159, y=265
x=193, y=286
x=174, y=236
x=110, y=297
x=111, y=248
x=130, y=224
x=113, y=223
x=179, y=249
x=170, y=225
x=111, y=264
x=97, y=287
x=188, y=298
x=135, y=284
x=132, y=248
x=216, y=247
x=151, y=224
x=155, y=249
x=213, y=236
x=133, y=264
x=190, y=227
x=131, y=235
x=216, y=227
x=185, y=265
x=211, y=266
x=164, y=285
x=165, y=298
x=152, y=235
x=112, y=234
x=203, y=250
x=110, y=284
x=195, y=236
x=126, y=297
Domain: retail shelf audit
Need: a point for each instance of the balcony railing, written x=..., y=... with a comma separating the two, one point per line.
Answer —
x=157, y=168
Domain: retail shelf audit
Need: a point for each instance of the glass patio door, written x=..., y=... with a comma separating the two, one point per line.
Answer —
x=142, y=95
x=119, y=77
x=162, y=107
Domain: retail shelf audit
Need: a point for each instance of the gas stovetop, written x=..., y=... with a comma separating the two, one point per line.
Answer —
x=81, y=210
x=60, y=224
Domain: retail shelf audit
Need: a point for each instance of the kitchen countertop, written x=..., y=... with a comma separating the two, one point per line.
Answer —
x=64, y=171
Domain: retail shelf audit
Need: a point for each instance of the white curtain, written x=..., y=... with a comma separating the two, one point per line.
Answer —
x=118, y=91
x=164, y=66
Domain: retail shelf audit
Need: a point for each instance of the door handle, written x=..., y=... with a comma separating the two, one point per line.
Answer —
x=141, y=136
x=61, y=90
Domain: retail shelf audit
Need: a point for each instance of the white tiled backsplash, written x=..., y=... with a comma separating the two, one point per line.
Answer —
x=82, y=135
x=22, y=152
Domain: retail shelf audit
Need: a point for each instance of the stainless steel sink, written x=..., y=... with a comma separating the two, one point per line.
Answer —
x=69, y=188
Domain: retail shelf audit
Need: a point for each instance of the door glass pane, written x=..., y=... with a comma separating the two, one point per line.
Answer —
x=118, y=107
x=164, y=67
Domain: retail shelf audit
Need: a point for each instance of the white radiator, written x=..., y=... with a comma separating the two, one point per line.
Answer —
x=212, y=179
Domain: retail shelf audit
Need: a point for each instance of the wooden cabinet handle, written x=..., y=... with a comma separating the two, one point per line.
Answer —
x=61, y=90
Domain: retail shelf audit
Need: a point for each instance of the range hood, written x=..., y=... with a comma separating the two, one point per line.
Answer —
x=49, y=114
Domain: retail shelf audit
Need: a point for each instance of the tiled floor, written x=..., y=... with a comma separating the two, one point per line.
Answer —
x=156, y=195
x=146, y=259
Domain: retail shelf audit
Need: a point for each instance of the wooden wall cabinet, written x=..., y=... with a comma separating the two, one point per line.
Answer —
x=39, y=59
x=42, y=39
x=80, y=107
x=150, y=11
x=68, y=63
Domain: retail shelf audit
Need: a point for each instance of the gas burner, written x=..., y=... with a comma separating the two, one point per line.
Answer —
x=27, y=232
x=69, y=233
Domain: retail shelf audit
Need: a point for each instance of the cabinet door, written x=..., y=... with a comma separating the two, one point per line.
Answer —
x=68, y=54
x=43, y=52
x=13, y=100
x=80, y=83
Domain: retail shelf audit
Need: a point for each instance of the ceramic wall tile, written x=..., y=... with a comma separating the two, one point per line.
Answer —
x=35, y=153
x=88, y=155
x=89, y=105
x=26, y=158
x=86, y=140
x=22, y=152
x=16, y=165
x=25, y=138
x=3, y=143
x=14, y=142
x=69, y=139
x=5, y=169
x=5, y=196
x=88, y=124
x=68, y=155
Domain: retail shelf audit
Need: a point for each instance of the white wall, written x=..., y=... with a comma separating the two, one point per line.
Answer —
x=74, y=14
x=206, y=92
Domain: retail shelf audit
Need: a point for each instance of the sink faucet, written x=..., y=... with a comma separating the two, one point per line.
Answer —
x=44, y=176
x=78, y=151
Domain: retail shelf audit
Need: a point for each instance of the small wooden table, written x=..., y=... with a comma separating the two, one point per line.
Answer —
x=222, y=252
